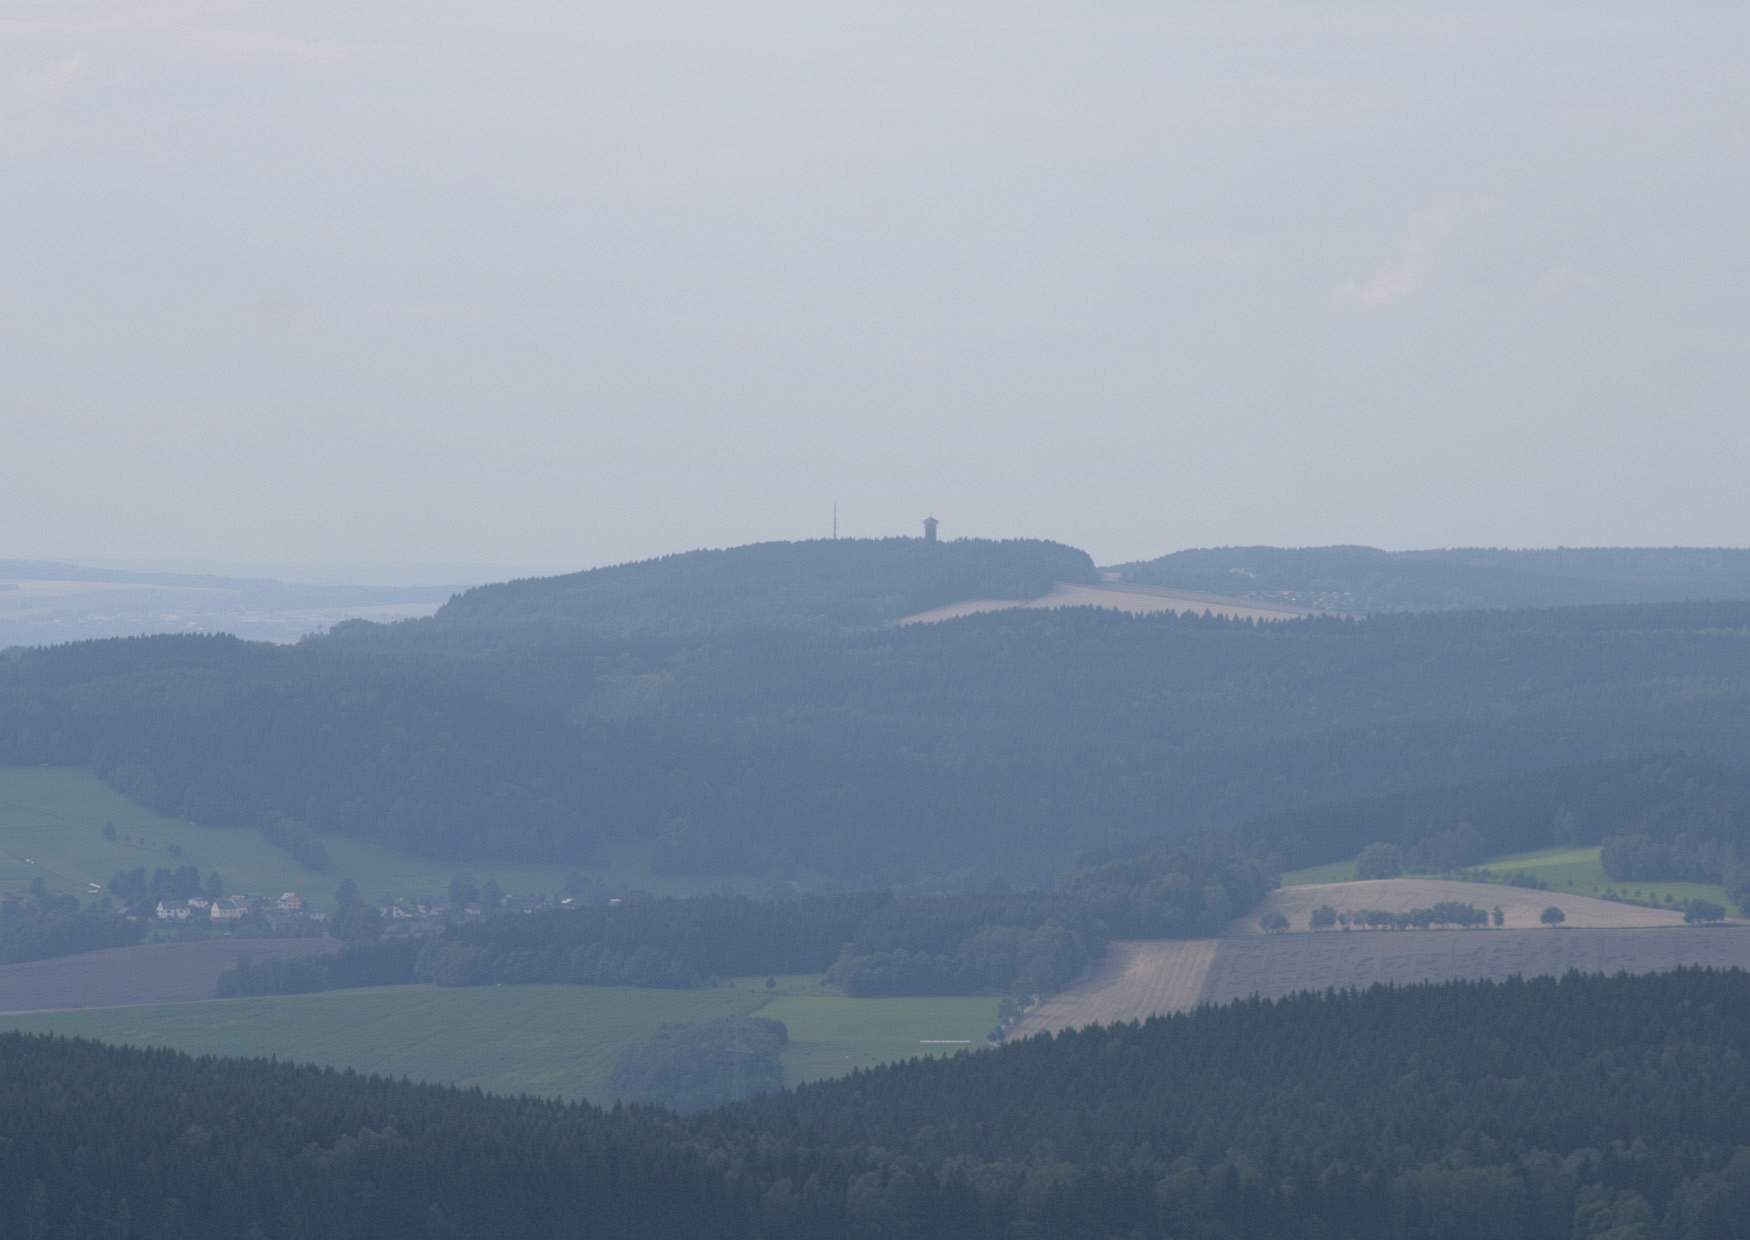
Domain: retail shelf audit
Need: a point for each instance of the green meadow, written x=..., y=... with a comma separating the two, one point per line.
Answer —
x=52, y=826
x=1331, y=872
x=1577, y=870
x=1581, y=871
x=554, y=1041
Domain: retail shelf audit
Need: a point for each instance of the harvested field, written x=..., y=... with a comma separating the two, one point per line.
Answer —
x=1522, y=905
x=1273, y=966
x=1137, y=600
x=1137, y=979
x=1133, y=984
x=149, y=973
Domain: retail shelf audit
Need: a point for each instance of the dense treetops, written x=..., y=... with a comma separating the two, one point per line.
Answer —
x=819, y=586
x=1586, y=1107
x=1014, y=740
x=1026, y=942
x=1661, y=798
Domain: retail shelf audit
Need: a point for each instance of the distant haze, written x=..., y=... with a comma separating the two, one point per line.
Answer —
x=555, y=284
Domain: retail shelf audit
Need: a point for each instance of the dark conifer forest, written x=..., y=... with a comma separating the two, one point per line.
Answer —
x=870, y=943
x=1366, y=579
x=553, y=720
x=1585, y=1106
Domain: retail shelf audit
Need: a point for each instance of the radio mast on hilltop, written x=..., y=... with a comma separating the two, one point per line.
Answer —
x=835, y=520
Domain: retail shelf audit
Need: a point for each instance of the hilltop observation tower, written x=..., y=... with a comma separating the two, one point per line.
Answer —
x=930, y=524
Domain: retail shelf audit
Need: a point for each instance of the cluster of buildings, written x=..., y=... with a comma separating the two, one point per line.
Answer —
x=289, y=906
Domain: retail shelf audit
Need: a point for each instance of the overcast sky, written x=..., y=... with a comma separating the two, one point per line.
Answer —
x=552, y=283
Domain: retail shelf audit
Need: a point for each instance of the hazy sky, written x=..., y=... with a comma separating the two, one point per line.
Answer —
x=554, y=283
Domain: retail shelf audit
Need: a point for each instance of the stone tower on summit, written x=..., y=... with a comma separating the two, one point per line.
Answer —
x=930, y=524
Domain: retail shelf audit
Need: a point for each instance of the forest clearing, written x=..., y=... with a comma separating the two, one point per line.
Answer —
x=1134, y=599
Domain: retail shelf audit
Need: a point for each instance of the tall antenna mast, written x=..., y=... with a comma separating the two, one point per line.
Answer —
x=835, y=520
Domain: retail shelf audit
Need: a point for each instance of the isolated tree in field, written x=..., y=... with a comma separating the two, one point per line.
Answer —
x=1699, y=912
x=347, y=894
x=1552, y=916
x=1273, y=922
x=1323, y=917
x=491, y=896
x=1379, y=861
x=1500, y=918
x=464, y=890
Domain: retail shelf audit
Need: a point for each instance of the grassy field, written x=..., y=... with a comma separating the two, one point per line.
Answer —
x=52, y=819
x=1576, y=871
x=1580, y=871
x=831, y=1035
x=550, y=1040
x=1332, y=872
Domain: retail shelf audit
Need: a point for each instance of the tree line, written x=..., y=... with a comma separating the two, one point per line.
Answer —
x=1013, y=741
x=871, y=943
x=1586, y=1106
x=44, y=925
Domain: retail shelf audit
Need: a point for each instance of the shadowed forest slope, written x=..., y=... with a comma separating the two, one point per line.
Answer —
x=1010, y=741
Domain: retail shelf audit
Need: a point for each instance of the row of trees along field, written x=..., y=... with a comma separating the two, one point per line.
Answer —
x=870, y=943
x=1013, y=740
x=1658, y=818
x=1584, y=1107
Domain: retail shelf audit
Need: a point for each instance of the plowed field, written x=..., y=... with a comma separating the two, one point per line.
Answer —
x=1136, y=980
x=1156, y=978
x=150, y=973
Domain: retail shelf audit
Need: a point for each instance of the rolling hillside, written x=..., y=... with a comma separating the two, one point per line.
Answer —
x=1366, y=579
x=754, y=713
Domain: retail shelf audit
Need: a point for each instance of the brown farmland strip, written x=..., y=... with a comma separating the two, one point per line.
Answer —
x=1137, y=979
x=1270, y=967
x=150, y=973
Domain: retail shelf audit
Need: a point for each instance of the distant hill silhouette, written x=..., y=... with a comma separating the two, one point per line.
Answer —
x=1366, y=579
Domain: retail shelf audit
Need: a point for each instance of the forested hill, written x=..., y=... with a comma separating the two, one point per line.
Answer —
x=1588, y=1107
x=1008, y=742
x=821, y=586
x=1365, y=579
x=1679, y=800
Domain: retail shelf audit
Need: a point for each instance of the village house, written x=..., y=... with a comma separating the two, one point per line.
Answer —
x=174, y=910
x=233, y=908
x=291, y=902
